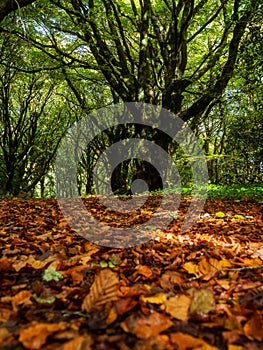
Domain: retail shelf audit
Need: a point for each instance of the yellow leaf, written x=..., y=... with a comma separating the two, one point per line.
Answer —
x=159, y=298
x=224, y=263
x=234, y=347
x=190, y=268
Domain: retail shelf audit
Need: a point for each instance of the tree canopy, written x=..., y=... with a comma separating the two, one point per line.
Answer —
x=191, y=57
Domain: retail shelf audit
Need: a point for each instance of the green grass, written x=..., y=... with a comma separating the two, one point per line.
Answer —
x=234, y=192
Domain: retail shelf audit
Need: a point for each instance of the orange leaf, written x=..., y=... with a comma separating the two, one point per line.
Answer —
x=78, y=343
x=254, y=327
x=112, y=316
x=208, y=266
x=234, y=347
x=4, y=333
x=21, y=298
x=36, y=335
x=125, y=305
x=147, y=327
x=144, y=270
x=186, y=341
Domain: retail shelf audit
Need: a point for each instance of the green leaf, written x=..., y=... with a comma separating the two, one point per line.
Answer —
x=49, y=300
x=103, y=264
x=237, y=216
x=108, y=218
x=220, y=214
x=51, y=274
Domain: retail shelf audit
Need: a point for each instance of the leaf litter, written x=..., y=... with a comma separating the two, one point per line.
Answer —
x=202, y=289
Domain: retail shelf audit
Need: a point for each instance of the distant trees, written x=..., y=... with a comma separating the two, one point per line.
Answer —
x=232, y=133
x=198, y=59
x=33, y=120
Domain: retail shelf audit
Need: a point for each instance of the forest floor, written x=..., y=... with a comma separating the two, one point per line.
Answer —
x=202, y=289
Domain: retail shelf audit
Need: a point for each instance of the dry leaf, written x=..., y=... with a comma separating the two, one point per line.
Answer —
x=112, y=316
x=4, y=333
x=190, y=268
x=147, y=327
x=104, y=289
x=203, y=302
x=78, y=343
x=254, y=327
x=144, y=270
x=36, y=335
x=178, y=307
x=124, y=305
x=158, y=298
x=234, y=347
x=186, y=341
x=21, y=298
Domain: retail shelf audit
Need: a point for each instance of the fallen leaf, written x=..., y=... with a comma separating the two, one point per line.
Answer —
x=21, y=298
x=35, y=336
x=124, y=305
x=234, y=347
x=147, y=327
x=158, y=298
x=144, y=270
x=79, y=343
x=202, y=302
x=4, y=333
x=190, y=268
x=104, y=289
x=186, y=341
x=178, y=307
x=254, y=327
x=112, y=316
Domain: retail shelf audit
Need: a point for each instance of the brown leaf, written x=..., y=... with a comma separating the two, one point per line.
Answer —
x=104, y=289
x=178, y=307
x=5, y=314
x=135, y=290
x=125, y=305
x=147, y=327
